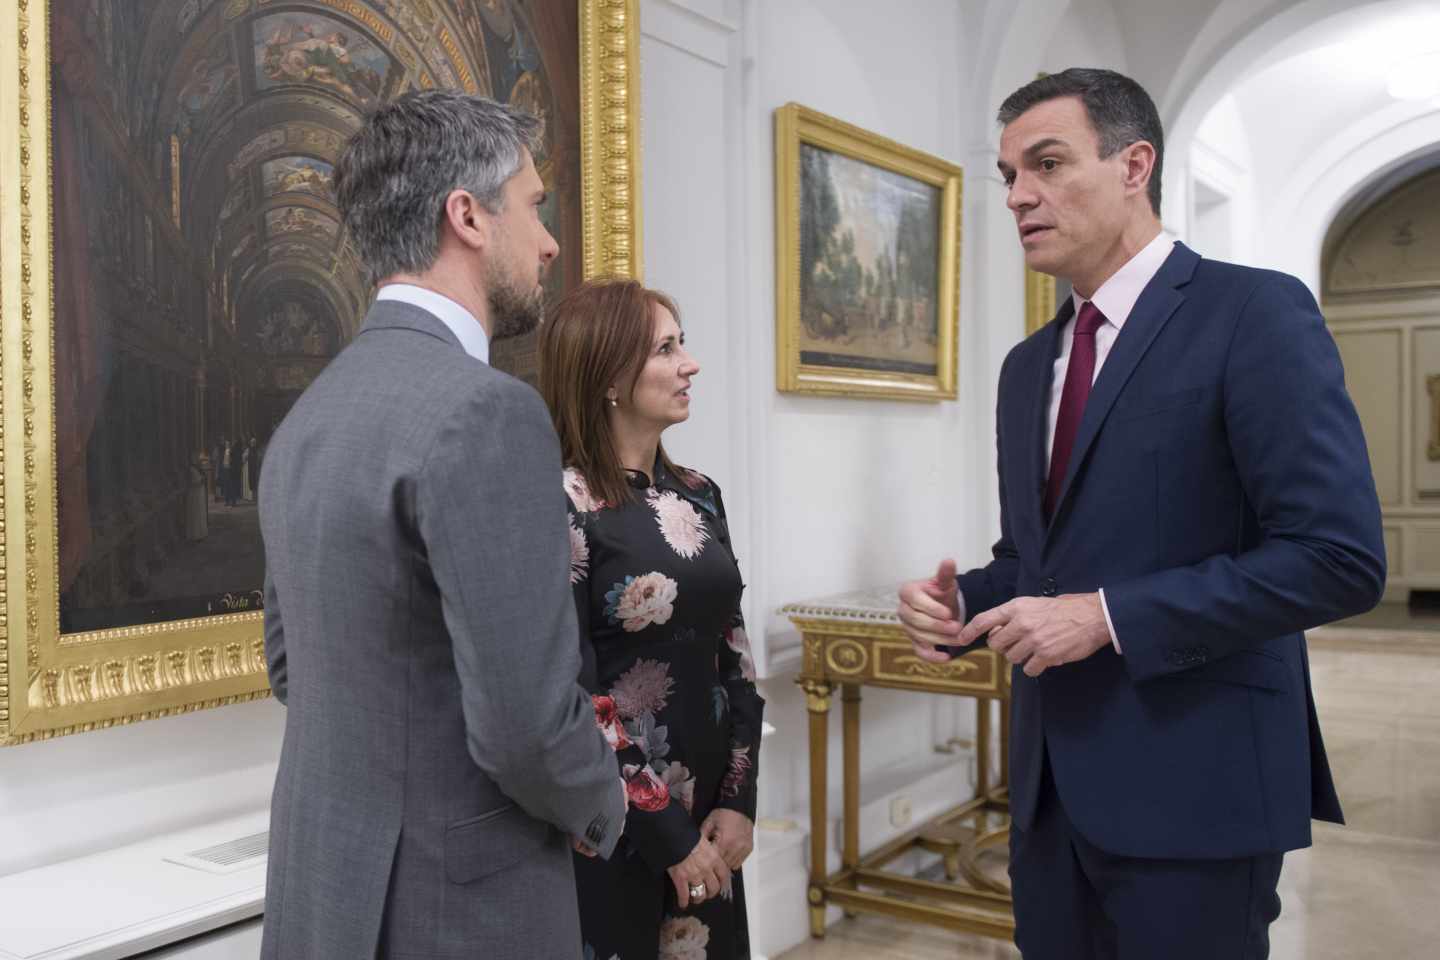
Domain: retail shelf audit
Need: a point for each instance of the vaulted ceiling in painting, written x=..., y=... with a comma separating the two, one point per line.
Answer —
x=240, y=109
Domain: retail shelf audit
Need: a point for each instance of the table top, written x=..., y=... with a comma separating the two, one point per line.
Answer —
x=866, y=605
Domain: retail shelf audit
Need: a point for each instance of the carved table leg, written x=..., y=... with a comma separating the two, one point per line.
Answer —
x=850, y=720
x=817, y=696
x=982, y=747
x=850, y=700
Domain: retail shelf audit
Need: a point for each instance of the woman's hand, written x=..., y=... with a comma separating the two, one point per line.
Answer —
x=704, y=865
x=732, y=833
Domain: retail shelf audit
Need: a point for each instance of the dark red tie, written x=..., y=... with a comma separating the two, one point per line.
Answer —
x=1073, y=395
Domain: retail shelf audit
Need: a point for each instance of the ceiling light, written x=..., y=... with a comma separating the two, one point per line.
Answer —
x=1417, y=78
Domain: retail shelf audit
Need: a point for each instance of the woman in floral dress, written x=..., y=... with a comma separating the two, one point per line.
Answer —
x=665, y=654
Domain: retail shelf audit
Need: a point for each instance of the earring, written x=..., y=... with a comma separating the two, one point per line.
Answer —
x=613, y=402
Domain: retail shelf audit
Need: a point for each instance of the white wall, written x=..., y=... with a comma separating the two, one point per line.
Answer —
x=856, y=492
x=1087, y=35
x=82, y=794
x=1222, y=218
x=826, y=495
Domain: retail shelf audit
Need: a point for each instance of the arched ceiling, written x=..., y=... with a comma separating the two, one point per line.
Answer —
x=1385, y=246
x=253, y=100
x=1369, y=195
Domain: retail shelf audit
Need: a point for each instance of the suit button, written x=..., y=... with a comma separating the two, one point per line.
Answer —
x=1048, y=587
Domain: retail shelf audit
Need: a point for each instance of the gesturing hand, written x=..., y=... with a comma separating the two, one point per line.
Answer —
x=930, y=612
x=1043, y=632
x=705, y=866
x=732, y=833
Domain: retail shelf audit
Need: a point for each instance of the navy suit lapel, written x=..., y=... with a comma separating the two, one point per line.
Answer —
x=1041, y=373
x=1158, y=302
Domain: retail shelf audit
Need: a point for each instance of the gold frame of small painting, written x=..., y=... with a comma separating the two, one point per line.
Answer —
x=867, y=262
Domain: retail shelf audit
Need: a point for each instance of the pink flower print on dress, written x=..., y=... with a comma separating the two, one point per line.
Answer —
x=607, y=718
x=683, y=938
x=739, y=768
x=641, y=601
x=579, y=492
x=680, y=524
x=579, y=555
x=644, y=688
x=739, y=641
x=680, y=783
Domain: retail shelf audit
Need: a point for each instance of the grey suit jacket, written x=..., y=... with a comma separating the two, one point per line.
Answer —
x=438, y=752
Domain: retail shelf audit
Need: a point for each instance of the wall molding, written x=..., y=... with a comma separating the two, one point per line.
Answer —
x=687, y=28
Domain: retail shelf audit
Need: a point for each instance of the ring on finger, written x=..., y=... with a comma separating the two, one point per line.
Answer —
x=698, y=891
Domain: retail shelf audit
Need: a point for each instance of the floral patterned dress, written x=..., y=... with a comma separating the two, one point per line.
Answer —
x=668, y=665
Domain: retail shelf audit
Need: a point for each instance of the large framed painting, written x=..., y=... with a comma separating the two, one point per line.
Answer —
x=867, y=254
x=173, y=273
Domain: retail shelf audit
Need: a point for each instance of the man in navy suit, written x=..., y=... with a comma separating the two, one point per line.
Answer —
x=1184, y=489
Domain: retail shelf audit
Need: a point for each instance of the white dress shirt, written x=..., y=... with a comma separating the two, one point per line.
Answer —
x=461, y=322
x=1115, y=299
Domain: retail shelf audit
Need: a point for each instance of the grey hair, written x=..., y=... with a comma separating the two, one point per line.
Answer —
x=394, y=176
x=1119, y=109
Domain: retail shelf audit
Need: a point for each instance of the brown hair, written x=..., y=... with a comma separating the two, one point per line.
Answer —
x=599, y=334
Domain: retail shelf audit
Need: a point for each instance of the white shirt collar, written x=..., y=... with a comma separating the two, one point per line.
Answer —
x=1116, y=296
x=461, y=322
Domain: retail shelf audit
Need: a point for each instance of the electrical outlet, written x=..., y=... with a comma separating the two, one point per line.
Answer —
x=900, y=811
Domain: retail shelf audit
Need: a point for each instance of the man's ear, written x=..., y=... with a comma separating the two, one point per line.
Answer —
x=467, y=219
x=1139, y=166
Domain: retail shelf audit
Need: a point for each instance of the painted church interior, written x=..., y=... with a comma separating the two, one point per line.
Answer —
x=201, y=254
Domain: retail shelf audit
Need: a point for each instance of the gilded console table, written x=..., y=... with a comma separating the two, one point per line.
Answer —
x=855, y=640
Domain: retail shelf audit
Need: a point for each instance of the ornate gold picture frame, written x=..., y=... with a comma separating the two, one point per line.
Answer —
x=867, y=262
x=1039, y=300
x=147, y=131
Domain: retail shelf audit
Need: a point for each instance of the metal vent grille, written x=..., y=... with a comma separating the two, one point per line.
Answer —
x=227, y=857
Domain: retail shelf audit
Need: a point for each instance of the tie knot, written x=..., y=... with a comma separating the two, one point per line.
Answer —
x=1089, y=320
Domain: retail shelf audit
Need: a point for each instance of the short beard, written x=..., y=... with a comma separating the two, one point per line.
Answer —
x=513, y=313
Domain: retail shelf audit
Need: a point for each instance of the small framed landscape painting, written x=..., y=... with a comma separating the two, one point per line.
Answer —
x=867, y=262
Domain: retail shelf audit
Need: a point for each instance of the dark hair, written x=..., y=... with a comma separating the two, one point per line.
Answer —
x=397, y=170
x=599, y=334
x=1120, y=110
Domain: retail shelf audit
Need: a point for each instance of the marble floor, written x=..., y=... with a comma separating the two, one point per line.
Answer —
x=1367, y=890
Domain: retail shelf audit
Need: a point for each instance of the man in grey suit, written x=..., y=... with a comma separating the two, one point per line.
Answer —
x=418, y=620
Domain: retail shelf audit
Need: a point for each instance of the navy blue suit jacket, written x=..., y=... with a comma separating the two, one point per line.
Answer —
x=1220, y=492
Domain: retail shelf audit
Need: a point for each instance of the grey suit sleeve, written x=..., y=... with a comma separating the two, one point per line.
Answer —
x=492, y=515
x=275, y=662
